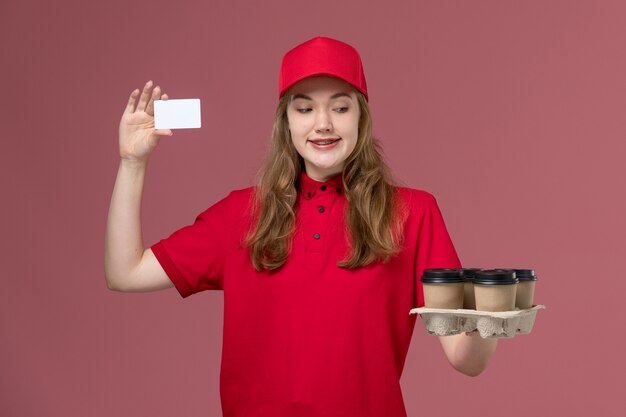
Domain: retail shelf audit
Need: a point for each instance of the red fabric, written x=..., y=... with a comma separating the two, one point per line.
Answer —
x=311, y=339
x=322, y=56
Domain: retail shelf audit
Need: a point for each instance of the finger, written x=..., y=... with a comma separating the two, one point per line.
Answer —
x=163, y=132
x=145, y=96
x=164, y=97
x=155, y=95
x=130, y=107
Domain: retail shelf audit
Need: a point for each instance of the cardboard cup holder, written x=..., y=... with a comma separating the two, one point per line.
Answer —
x=501, y=324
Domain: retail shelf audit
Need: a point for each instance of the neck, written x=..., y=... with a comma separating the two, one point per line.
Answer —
x=322, y=175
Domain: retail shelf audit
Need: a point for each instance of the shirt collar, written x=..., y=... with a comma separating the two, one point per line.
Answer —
x=309, y=187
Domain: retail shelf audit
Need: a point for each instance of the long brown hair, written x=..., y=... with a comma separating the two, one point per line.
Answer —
x=374, y=217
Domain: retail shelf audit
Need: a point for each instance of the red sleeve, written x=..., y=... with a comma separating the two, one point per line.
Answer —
x=193, y=257
x=434, y=246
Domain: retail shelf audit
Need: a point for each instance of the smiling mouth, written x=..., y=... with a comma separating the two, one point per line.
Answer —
x=324, y=141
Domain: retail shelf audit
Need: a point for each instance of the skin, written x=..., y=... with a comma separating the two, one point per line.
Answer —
x=130, y=268
x=468, y=353
x=323, y=107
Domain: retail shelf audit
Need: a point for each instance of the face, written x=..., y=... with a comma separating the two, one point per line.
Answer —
x=323, y=115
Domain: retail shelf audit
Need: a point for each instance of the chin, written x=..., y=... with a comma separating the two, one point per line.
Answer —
x=325, y=167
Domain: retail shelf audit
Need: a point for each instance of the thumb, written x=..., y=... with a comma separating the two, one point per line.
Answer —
x=163, y=132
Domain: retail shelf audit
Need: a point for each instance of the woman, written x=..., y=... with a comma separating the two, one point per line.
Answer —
x=319, y=263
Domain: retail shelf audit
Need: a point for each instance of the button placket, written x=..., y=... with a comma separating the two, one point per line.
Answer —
x=318, y=225
x=319, y=230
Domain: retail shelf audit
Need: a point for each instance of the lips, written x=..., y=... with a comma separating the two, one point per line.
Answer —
x=324, y=141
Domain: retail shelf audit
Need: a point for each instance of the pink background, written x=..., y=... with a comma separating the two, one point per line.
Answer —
x=511, y=113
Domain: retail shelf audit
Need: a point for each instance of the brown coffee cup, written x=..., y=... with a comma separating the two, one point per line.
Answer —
x=524, y=297
x=443, y=288
x=495, y=290
x=469, y=301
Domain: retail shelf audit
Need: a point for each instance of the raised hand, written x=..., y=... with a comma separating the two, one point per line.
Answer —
x=137, y=135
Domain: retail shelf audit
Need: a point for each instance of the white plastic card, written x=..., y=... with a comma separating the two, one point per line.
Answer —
x=177, y=114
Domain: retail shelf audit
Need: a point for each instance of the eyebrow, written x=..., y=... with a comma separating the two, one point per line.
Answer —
x=334, y=96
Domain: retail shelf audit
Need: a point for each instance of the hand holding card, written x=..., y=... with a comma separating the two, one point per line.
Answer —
x=177, y=114
x=137, y=136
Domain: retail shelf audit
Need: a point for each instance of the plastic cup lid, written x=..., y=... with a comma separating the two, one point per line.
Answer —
x=470, y=273
x=496, y=277
x=525, y=274
x=442, y=275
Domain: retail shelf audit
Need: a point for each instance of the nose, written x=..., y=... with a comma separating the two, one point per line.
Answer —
x=323, y=122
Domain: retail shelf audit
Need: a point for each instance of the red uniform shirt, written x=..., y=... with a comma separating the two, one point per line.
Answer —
x=310, y=339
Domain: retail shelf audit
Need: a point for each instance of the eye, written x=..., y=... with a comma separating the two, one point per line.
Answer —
x=304, y=110
x=341, y=109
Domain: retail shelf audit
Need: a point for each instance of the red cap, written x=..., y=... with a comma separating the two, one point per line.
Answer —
x=322, y=56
